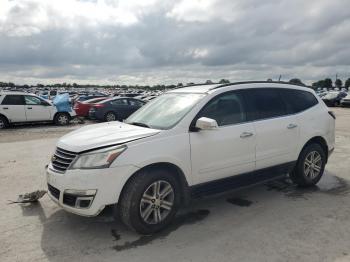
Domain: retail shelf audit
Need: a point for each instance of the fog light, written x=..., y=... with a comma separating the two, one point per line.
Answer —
x=84, y=202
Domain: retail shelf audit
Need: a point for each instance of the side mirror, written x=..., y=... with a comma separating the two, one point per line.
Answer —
x=205, y=123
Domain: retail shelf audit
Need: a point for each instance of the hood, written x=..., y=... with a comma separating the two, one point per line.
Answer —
x=104, y=134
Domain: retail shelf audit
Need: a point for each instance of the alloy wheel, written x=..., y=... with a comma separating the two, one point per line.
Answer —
x=110, y=117
x=63, y=119
x=2, y=124
x=312, y=165
x=157, y=202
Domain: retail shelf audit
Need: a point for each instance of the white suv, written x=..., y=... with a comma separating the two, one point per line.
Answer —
x=16, y=107
x=191, y=142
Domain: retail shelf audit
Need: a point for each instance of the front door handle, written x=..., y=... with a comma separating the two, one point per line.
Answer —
x=29, y=108
x=246, y=134
x=291, y=126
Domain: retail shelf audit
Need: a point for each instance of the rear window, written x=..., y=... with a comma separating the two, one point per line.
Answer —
x=13, y=100
x=264, y=103
x=298, y=100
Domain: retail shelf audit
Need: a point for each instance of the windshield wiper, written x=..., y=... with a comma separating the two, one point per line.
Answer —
x=139, y=124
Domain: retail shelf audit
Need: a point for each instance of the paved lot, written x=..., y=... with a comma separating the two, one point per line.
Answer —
x=270, y=222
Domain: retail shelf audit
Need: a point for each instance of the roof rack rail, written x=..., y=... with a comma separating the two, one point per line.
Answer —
x=256, y=82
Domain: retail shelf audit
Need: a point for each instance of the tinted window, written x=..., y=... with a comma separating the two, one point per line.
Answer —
x=226, y=109
x=265, y=103
x=298, y=100
x=119, y=102
x=13, y=100
x=134, y=102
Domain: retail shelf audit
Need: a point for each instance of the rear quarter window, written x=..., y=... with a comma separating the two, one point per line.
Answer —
x=13, y=100
x=298, y=100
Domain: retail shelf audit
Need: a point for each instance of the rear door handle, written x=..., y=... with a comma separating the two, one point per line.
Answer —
x=5, y=108
x=246, y=134
x=29, y=108
x=291, y=126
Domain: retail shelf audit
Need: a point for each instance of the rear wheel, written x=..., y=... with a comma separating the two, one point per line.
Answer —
x=149, y=201
x=110, y=116
x=3, y=122
x=336, y=103
x=310, y=166
x=62, y=119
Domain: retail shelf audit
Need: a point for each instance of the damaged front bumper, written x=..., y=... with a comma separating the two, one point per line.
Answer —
x=87, y=192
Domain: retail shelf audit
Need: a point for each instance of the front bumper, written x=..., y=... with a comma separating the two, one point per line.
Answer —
x=345, y=103
x=103, y=186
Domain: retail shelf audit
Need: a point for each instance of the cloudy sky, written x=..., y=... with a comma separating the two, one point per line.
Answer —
x=163, y=41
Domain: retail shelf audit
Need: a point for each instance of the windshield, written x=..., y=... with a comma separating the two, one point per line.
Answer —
x=331, y=95
x=165, y=111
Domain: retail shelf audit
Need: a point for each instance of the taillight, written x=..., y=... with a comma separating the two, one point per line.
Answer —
x=331, y=113
x=99, y=105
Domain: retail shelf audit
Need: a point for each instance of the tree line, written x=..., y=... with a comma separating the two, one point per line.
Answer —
x=324, y=83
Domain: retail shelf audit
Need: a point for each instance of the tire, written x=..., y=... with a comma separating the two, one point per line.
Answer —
x=310, y=166
x=336, y=104
x=3, y=122
x=62, y=119
x=140, y=209
x=110, y=116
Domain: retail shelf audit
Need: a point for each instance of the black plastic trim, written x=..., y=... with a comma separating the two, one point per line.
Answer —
x=239, y=181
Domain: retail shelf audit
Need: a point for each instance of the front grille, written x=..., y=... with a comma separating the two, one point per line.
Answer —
x=69, y=200
x=54, y=191
x=62, y=159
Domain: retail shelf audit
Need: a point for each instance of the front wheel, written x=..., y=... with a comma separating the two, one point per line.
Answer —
x=62, y=119
x=310, y=166
x=149, y=201
x=3, y=122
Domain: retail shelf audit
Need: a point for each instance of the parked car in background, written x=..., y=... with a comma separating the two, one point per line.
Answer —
x=88, y=97
x=192, y=142
x=82, y=107
x=18, y=107
x=345, y=101
x=333, y=98
x=114, y=108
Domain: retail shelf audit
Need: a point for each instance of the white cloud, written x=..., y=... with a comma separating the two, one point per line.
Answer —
x=172, y=41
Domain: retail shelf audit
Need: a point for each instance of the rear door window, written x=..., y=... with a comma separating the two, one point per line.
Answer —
x=298, y=100
x=119, y=102
x=264, y=103
x=13, y=100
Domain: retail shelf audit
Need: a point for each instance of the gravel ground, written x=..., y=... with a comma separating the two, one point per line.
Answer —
x=271, y=222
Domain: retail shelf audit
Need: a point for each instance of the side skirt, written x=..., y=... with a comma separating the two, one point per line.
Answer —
x=239, y=181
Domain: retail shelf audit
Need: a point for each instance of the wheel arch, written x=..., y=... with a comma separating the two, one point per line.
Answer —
x=6, y=118
x=320, y=141
x=177, y=171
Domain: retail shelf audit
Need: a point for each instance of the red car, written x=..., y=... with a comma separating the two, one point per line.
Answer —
x=82, y=108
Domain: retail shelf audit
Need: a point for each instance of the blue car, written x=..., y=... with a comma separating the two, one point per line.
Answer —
x=115, y=109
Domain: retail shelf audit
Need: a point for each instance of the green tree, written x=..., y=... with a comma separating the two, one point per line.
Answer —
x=338, y=83
x=328, y=83
x=296, y=81
x=224, y=81
x=347, y=83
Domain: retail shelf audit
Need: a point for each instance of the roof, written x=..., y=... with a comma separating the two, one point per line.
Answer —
x=206, y=88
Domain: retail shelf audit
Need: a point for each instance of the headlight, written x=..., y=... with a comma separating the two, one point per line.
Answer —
x=102, y=158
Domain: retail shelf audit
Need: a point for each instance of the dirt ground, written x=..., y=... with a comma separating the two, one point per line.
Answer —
x=271, y=222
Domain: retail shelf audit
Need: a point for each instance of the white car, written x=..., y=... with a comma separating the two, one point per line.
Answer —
x=16, y=107
x=191, y=142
